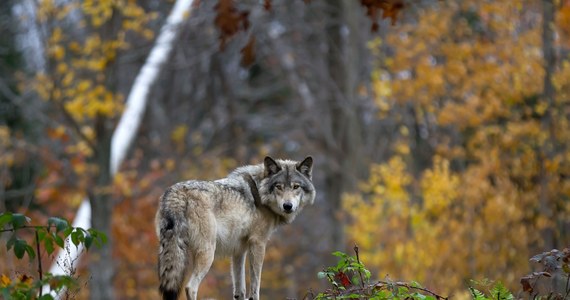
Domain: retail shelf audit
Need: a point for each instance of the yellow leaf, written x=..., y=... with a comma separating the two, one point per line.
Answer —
x=5, y=281
x=179, y=134
x=25, y=279
x=170, y=164
x=57, y=52
x=56, y=35
x=61, y=68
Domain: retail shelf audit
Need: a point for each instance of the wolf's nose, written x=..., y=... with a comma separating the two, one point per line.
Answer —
x=287, y=207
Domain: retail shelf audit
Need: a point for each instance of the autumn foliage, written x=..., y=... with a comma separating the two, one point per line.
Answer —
x=467, y=174
x=478, y=177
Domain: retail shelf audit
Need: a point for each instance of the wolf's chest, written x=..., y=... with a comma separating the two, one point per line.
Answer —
x=232, y=235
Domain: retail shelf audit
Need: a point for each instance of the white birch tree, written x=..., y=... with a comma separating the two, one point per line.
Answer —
x=127, y=128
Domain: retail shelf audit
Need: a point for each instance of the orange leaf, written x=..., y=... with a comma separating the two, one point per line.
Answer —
x=229, y=20
x=248, y=53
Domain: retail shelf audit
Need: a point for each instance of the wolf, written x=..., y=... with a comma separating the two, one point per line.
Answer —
x=233, y=216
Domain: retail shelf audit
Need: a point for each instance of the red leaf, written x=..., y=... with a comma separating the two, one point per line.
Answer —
x=525, y=282
x=343, y=279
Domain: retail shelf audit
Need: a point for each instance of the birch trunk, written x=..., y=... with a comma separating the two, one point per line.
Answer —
x=126, y=130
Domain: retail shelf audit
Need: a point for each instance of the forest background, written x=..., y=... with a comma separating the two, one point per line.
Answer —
x=440, y=130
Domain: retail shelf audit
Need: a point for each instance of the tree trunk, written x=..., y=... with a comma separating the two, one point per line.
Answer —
x=101, y=264
x=343, y=58
x=547, y=150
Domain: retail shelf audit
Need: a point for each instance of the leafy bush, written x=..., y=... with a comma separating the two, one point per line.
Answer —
x=351, y=280
x=47, y=237
x=553, y=281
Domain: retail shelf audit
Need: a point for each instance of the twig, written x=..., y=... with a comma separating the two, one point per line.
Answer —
x=331, y=279
x=40, y=271
x=403, y=284
x=383, y=284
x=421, y=289
x=25, y=227
x=359, y=271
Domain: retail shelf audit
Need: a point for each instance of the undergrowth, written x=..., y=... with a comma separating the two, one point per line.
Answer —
x=350, y=279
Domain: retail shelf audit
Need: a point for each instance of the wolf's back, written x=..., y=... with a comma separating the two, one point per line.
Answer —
x=172, y=228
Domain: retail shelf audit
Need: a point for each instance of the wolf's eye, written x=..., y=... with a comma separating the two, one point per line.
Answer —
x=279, y=186
x=295, y=186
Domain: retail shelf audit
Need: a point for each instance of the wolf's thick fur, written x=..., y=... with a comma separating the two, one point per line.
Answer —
x=233, y=216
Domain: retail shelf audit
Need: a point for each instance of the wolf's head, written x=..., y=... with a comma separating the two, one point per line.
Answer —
x=286, y=186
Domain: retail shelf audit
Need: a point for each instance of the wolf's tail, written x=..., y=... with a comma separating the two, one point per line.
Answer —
x=173, y=253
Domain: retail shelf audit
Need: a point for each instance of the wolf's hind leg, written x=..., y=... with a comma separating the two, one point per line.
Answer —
x=202, y=262
x=203, y=253
x=238, y=276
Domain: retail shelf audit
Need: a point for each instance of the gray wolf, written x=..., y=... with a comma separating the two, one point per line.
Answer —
x=233, y=216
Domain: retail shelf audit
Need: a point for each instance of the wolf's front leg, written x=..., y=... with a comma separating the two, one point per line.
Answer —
x=256, y=255
x=238, y=276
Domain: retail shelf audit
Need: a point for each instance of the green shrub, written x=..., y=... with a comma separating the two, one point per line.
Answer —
x=49, y=237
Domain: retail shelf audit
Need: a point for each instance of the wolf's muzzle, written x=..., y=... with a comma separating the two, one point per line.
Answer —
x=288, y=207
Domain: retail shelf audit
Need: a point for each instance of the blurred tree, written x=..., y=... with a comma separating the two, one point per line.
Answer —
x=483, y=146
x=306, y=92
x=17, y=171
x=84, y=42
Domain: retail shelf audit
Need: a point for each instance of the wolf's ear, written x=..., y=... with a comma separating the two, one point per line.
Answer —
x=271, y=166
x=306, y=166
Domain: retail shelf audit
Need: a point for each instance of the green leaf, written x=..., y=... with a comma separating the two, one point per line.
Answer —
x=46, y=297
x=98, y=237
x=5, y=218
x=367, y=274
x=67, y=231
x=418, y=296
x=48, y=244
x=320, y=275
x=20, y=248
x=41, y=234
x=19, y=220
x=58, y=240
x=89, y=241
x=339, y=254
x=59, y=223
x=355, y=280
x=477, y=295
x=75, y=237
x=403, y=291
x=500, y=292
x=30, y=251
x=11, y=241
x=383, y=294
